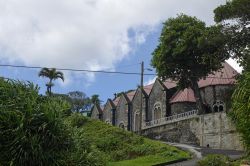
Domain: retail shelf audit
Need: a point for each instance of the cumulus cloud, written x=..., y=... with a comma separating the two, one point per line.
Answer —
x=87, y=34
x=150, y=81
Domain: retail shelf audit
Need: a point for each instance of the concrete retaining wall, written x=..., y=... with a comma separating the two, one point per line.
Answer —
x=214, y=129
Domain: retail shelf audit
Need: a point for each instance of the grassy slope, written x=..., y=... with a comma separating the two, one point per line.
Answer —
x=117, y=145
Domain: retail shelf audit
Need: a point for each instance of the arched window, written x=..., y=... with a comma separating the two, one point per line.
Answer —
x=121, y=125
x=218, y=106
x=136, y=120
x=157, y=111
x=108, y=121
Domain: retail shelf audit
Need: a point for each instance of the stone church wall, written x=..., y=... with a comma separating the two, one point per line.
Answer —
x=95, y=113
x=178, y=108
x=121, y=115
x=211, y=94
x=157, y=96
x=107, y=113
x=136, y=105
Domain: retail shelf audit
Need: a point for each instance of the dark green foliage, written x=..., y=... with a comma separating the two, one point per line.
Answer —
x=235, y=18
x=241, y=108
x=214, y=160
x=185, y=47
x=77, y=120
x=95, y=99
x=83, y=152
x=188, y=51
x=31, y=128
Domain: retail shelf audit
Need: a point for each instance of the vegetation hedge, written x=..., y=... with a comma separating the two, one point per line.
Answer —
x=32, y=131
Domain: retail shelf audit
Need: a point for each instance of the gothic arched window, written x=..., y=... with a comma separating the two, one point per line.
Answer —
x=157, y=111
x=218, y=106
x=136, y=120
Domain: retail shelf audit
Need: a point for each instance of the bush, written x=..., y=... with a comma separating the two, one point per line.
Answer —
x=241, y=108
x=214, y=160
x=77, y=120
x=83, y=151
x=32, y=131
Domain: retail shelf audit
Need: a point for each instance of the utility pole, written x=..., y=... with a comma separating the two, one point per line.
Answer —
x=141, y=108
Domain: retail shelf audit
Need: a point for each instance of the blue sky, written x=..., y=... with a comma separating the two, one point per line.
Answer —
x=114, y=35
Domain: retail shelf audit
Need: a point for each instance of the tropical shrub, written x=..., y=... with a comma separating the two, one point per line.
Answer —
x=83, y=152
x=32, y=131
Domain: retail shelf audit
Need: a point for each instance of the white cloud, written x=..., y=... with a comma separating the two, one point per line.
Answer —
x=150, y=81
x=87, y=34
x=235, y=65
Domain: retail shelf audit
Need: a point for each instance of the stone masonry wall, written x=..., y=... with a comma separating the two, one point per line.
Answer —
x=121, y=115
x=214, y=129
x=219, y=92
x=95, y=113
x=136, y=105
x=157, y=95
x=178, y=108
x=107, y=113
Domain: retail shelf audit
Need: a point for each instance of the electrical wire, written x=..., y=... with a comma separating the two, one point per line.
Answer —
x=97, y=71
x=78, y=70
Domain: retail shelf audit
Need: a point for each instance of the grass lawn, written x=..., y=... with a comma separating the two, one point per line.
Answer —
x=147, y=160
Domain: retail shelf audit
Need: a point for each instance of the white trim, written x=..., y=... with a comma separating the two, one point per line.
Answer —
x=171, y=119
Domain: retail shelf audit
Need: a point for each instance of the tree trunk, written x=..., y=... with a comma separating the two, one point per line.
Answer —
x=48, y=89
x=197, y=95
x=50, y=85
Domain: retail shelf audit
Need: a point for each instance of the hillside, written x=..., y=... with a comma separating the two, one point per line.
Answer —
x=115, y=144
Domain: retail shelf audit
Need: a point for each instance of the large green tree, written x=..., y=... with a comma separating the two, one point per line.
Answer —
x=235, y=18
x=188, y=51
x=52, y=74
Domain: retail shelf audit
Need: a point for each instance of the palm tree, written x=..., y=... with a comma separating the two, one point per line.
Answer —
x=52, y=74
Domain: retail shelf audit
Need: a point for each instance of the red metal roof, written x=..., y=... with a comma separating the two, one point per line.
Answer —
x=224, y=76
x=186, y=95
x=116, y=100
x=148, y=88
x=170, y=83
x=130, y=95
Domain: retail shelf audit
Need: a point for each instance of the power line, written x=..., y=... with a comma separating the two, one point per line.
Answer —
x=98, y=71
x=78, y=70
